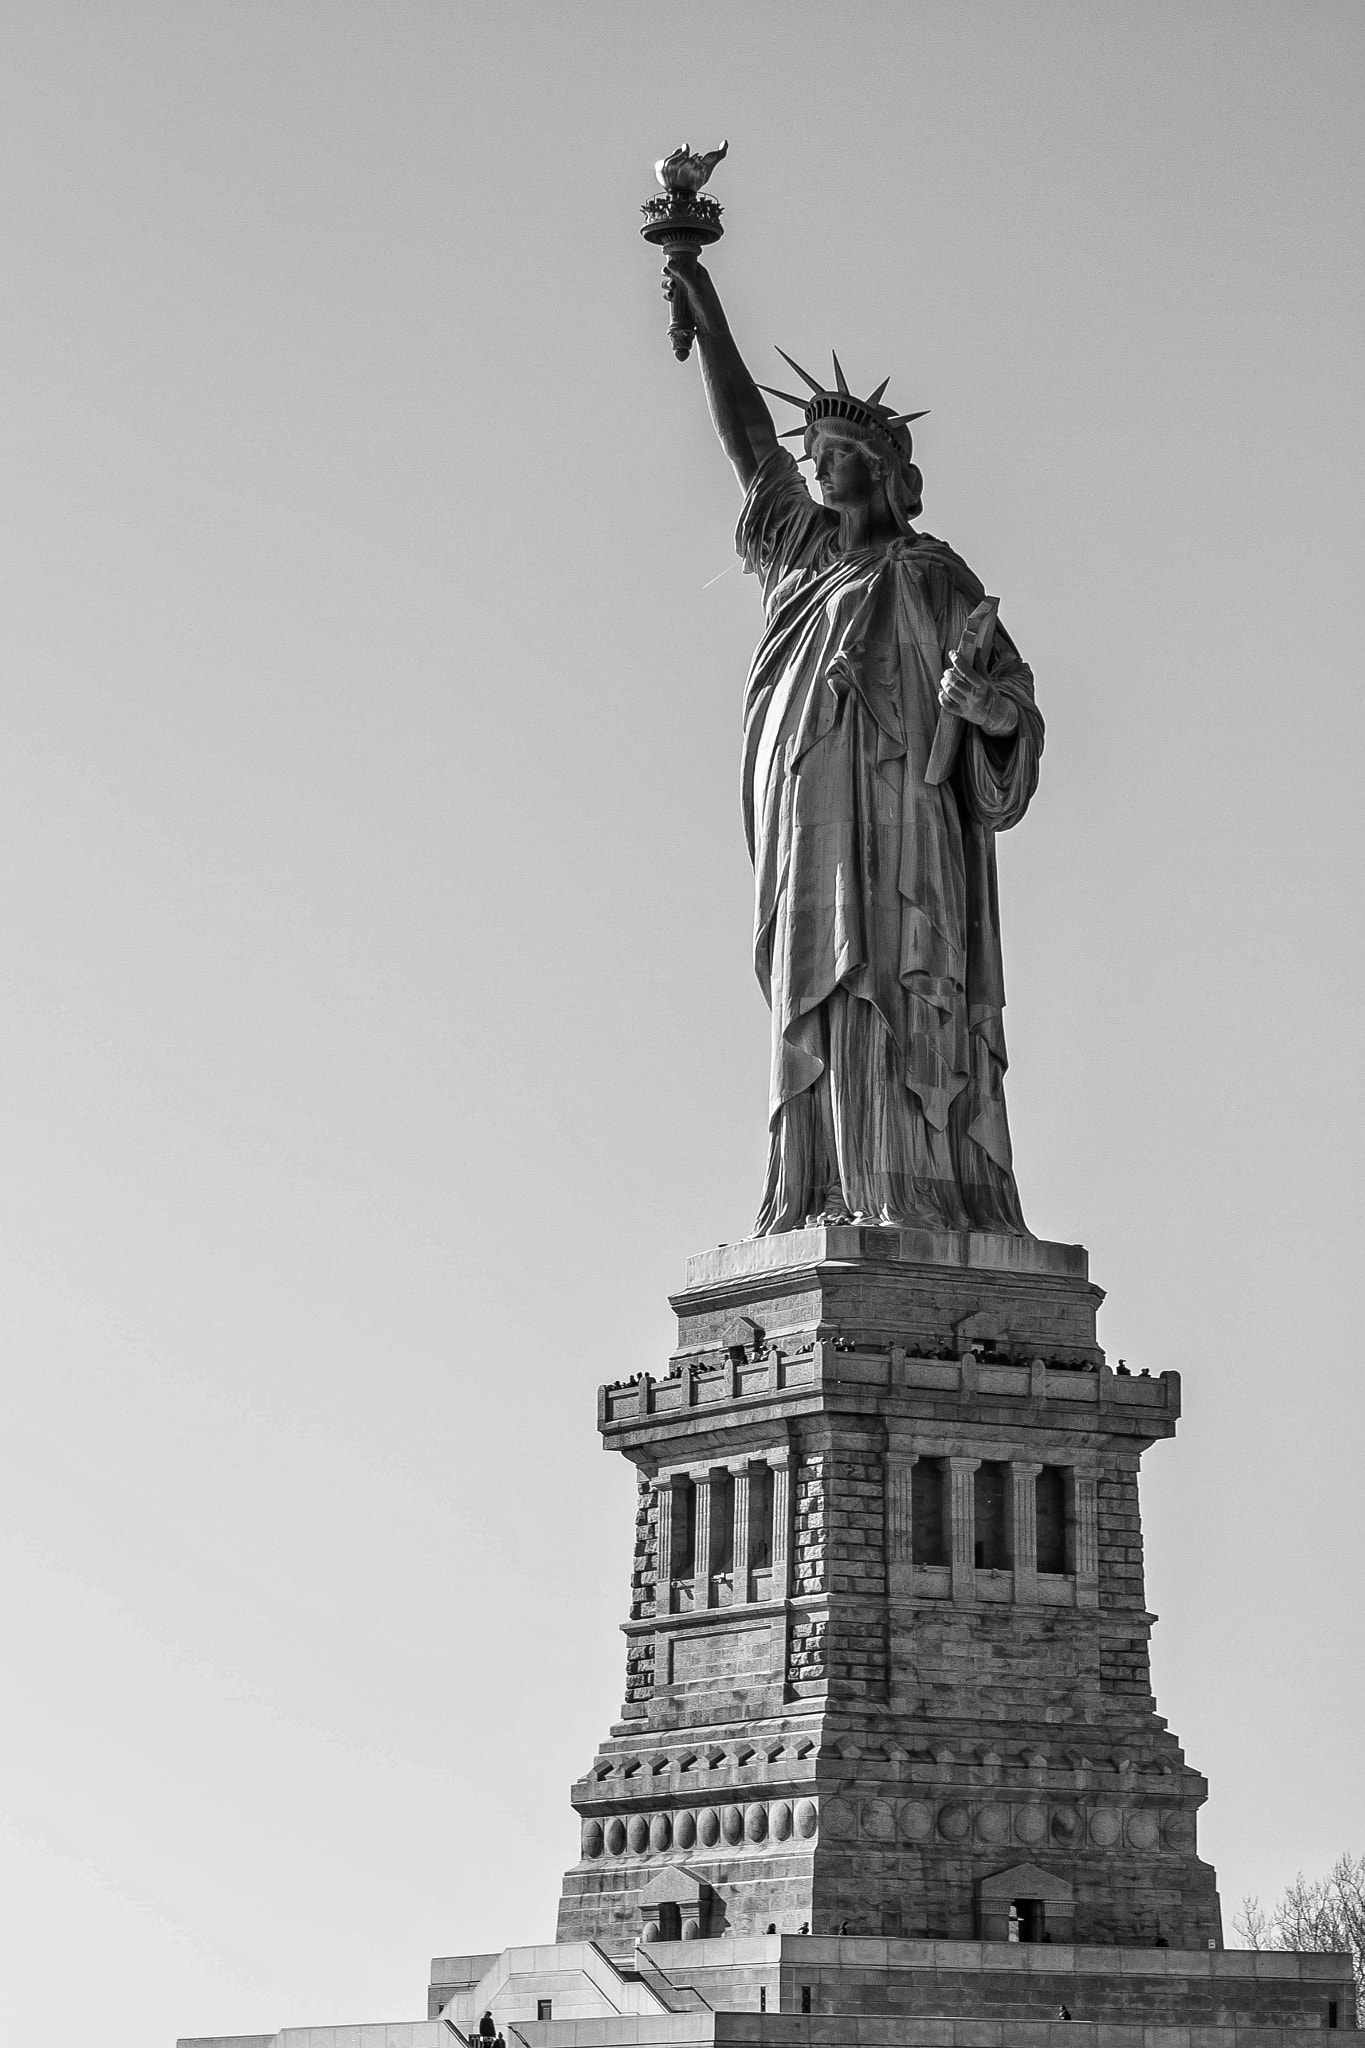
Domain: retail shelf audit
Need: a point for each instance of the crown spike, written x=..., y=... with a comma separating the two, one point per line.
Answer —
x=903, y=419
x=773, y=392
x=875, y=398
x=839, y=377
x=804, y=375
x=792, y=433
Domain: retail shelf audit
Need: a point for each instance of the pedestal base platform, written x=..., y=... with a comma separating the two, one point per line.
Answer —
x=797, y=1988
x=795, y=1991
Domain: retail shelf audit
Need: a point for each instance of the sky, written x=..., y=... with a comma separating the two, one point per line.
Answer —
x=380, y=1031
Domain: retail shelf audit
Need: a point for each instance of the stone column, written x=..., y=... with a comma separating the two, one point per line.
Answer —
x=741, y=1576
x=779, y=1464
x=1083, y=1539
x=1024, y=1528
x=701, y=1581
x=962, y=1526
x=900, y=1525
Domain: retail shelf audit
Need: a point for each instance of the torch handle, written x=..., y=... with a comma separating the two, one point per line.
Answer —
x=681, y=332
x=681, y=328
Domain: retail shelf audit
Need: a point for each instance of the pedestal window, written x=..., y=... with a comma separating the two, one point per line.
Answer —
x=992, y=1544
x=1050, y=1496
x=761, y=1513
x=928, y=1512
x=687, y=1532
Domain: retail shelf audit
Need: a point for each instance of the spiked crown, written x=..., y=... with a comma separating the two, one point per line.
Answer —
x=865, y=415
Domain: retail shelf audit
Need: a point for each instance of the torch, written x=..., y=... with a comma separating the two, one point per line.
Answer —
x=682, y=222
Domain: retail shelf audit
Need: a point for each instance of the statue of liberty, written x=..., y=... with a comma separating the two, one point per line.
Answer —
x=876, y=922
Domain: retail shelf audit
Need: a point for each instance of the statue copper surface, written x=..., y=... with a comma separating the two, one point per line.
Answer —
x=890, y=732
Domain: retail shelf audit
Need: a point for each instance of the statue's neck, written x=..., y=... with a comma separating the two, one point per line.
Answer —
x=868, y=525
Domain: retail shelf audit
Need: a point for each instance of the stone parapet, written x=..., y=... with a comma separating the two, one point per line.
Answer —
x=700, y=1382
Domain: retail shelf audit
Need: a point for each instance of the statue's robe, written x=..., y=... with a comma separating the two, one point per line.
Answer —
x=876, y=928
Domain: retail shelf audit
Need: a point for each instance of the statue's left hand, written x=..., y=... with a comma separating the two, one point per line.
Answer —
x=972, y=697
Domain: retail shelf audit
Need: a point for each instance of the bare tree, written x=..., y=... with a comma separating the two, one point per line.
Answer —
x=1320, y=1915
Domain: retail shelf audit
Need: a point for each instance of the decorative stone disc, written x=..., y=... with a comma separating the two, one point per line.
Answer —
x=1142, y=1830
x=1066, y=1825
x=732, y=1825
x=916, y=1821
x=685, y=1830
x=616, y=1837
x=592, y=1838
x=993, y=1823
x=708, y=1827
x=807, y=1818
x=756, y=1823
x=660, y=1834
x=1030, y=1824
x=1177, y=1831
x=637, y=1833
x=879, y=1820
x=780, y=1820
x=1105, y=1827
x=953, y=1822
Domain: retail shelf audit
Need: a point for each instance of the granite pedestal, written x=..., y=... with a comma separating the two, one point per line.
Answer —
x=887, y=1666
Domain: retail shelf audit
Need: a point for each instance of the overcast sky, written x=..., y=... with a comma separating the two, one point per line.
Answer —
x=380, y=1031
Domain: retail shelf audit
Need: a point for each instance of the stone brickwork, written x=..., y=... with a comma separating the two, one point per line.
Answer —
x=811, y=1547
x=823, y=1726
x=640, y=1671
x=856, y=1635
x=806, y=1668
x=644, y=1570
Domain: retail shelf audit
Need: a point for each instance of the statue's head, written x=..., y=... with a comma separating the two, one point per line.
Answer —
x=837, y=420
x=850, y=467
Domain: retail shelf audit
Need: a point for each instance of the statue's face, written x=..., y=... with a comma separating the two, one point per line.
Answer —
x=842, y=470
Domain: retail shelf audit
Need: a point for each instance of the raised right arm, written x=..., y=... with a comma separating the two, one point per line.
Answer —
x=739, y=411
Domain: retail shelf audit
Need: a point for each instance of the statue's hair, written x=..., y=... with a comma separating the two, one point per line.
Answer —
x=904, y=483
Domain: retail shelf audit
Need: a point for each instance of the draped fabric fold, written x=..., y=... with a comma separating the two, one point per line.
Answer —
x=876, y=928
